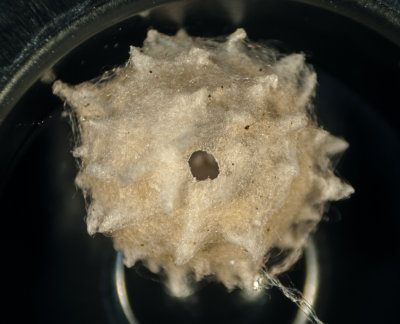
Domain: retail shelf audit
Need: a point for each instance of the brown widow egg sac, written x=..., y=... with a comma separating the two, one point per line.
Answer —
x=202, y=157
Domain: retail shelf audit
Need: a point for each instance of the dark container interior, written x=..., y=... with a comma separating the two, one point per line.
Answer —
x=56, y=273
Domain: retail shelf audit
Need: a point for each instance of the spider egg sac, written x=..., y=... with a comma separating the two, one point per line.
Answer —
x=201, y=157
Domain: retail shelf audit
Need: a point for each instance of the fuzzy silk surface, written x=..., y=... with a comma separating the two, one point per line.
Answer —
x=202, y=157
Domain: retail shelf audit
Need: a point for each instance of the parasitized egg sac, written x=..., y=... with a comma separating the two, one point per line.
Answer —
x=202, y=156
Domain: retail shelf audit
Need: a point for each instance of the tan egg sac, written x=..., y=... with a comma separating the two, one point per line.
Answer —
x=258, y=184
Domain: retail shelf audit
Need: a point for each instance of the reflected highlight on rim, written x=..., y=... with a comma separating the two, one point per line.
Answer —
x=121, y=290
x=309, y=290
